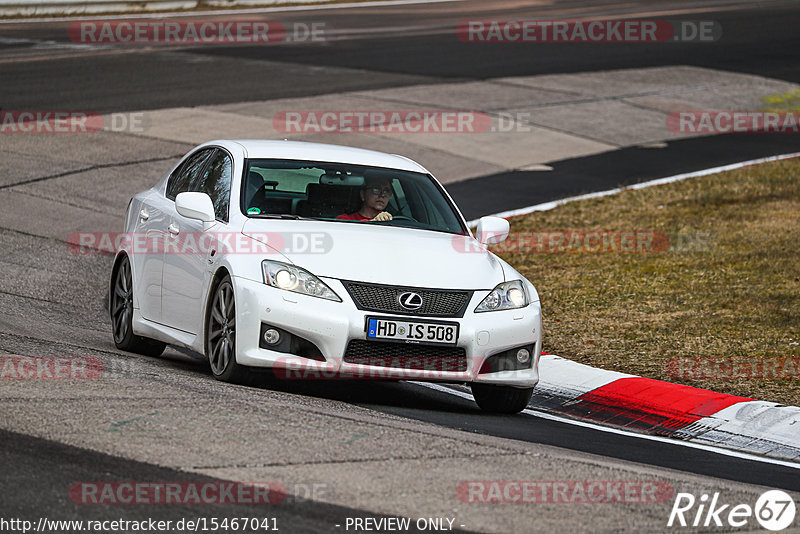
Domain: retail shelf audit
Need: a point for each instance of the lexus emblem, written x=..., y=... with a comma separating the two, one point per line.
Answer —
x=410, y=300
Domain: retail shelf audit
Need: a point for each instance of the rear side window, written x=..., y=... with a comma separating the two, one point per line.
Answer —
x=181, y=180
x=216, y=183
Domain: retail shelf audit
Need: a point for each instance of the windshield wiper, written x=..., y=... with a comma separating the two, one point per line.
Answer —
x=279, y=216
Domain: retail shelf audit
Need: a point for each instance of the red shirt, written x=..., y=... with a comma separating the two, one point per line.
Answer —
x=354, y=217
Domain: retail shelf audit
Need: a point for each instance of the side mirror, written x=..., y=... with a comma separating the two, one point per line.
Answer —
x=492, y=230
x=195, y=206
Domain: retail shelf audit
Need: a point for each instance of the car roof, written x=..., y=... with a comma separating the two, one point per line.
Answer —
x=267, y=149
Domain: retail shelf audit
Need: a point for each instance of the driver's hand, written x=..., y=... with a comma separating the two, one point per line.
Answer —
x=383, y=216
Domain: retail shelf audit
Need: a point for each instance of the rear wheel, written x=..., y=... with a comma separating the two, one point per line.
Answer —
x=221, y=335
x=121, y=308
x=501, y=399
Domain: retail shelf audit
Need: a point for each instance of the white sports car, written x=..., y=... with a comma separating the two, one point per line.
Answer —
x=322, y=261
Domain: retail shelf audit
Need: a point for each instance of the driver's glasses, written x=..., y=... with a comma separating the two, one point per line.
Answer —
x=380, y=191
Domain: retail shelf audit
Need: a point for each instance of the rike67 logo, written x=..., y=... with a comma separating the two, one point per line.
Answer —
x=774, y=510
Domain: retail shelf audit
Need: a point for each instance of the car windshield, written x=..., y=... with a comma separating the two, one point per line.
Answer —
x=346, y=193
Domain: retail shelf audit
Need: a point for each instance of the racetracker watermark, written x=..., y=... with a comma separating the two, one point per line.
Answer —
x=563, y=491
x=720, y=121
x=770, y=368
x=588, y=31
x=194, y=32
x=143, y=525
x=203, y=243
x=69, y=122
x=14, y=367
x=370, y=368
x=382, y=121
x=572, y=241
x=177, y=493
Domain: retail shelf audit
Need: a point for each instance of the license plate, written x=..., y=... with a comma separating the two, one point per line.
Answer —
x=412, y=331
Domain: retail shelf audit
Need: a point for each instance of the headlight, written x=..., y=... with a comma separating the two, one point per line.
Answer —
x=295, y=279
x=506, y=296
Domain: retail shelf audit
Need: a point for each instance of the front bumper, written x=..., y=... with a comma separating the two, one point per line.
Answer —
x=332, y=325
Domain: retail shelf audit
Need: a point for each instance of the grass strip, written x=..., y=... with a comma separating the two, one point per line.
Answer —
x=709, y=296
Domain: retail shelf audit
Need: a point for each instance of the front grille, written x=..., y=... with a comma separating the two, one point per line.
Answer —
x=406, y=355
x=435, y=302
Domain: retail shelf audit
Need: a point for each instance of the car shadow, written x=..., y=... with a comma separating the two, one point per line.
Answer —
x=375, y=394
x=380, y=395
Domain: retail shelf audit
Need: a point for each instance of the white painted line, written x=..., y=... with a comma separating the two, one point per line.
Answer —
x=193, y=14
x=627, y=433
x=546, y=206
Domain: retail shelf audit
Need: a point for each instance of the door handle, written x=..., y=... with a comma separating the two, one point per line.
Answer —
x=173, y=229
x=143, y=215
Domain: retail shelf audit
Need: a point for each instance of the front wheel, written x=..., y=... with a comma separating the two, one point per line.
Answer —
x=221, y=335
x=501, y=399
x=121, y=308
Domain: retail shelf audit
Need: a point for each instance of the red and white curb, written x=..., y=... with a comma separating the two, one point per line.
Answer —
x=651, y=407
x=665, y=409
x=631, y=405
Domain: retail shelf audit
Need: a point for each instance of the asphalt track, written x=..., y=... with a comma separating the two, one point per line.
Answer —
x=49, y=315
x=28, y=459
x=609, y=170
x=377, y=50
x=432, y=406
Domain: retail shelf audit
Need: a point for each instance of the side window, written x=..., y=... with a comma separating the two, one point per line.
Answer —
x=182, y=178
x=216, y=183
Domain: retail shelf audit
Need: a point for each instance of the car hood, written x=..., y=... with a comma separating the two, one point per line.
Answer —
x=380, y=254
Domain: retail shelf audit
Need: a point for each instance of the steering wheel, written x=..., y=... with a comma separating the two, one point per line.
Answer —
x=403, y=218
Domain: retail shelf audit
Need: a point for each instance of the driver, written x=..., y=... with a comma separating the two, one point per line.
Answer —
x=375, y=195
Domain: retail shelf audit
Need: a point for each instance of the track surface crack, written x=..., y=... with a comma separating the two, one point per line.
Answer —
x=90, y=168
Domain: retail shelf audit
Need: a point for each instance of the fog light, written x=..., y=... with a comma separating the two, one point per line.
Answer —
x=523, y=355
x=272, y=336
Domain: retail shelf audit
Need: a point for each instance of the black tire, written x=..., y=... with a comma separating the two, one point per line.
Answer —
x=121, y=312
x=501, y=399
x=221, y=335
